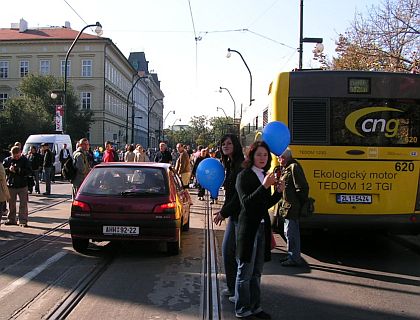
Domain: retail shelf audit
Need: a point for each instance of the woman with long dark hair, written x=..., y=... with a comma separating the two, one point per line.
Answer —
x=254, y=228
x=232, y=158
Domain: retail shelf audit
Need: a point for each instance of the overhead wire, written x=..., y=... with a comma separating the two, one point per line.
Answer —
x=196, y=41
x=263, y=13
x=75, y=11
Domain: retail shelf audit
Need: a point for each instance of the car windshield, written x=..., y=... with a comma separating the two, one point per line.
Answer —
x=125, y=181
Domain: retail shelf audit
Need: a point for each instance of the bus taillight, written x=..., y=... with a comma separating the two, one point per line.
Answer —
x=413, y=219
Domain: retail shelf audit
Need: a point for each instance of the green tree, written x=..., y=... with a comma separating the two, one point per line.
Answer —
x=34, y=111
x=386, y=39
x=221, y=126
x=17, y=120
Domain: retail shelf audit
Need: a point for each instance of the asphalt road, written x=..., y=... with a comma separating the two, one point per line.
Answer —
x=347, y=276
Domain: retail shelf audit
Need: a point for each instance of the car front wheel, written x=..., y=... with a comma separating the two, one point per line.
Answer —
x=80, y=245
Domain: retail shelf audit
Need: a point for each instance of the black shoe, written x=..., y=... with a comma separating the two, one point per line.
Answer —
x=262, y=315
x=46, y=193
x=10, y=223
x=290, y=263
x=24, y=224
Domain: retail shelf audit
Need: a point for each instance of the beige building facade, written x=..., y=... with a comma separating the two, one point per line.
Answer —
x=100, y=74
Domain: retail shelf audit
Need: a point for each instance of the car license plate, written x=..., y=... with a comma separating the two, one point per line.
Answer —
x=354, y=198
x=121, y=230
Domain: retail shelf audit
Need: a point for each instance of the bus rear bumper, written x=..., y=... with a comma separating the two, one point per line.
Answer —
x=395, y=223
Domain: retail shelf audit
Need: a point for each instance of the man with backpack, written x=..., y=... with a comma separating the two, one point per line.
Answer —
x=81, y=163
x=294, y=195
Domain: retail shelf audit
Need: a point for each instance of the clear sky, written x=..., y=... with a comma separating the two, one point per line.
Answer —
x=191, y=71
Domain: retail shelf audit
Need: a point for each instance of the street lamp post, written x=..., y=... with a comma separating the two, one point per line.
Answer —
x=220, y=108
x=234, y=103
x=98, y=31
x=250, y=75
x=318, y=41
x=132, y=112
x=179, y=119
x=163, y=124
x=148, y=121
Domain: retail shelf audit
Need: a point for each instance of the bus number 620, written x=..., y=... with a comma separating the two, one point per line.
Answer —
x=404, y=166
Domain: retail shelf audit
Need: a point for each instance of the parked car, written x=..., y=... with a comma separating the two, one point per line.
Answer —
x=133, y=201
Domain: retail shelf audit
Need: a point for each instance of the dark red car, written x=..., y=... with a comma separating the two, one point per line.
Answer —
x=140, y=201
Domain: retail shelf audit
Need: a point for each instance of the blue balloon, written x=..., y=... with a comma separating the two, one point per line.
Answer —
x=277, y=136
x=210, y=175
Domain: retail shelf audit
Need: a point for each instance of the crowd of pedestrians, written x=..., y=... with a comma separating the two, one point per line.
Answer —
x=250, y=190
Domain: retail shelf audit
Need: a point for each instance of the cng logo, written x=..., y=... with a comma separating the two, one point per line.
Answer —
x=371, y=124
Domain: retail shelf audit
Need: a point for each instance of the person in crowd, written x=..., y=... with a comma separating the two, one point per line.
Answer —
x=17, y=169
x=129, y=155
x=183, y=165
x=253, y=185
x=174, y=155
x=18, y=144
x=36, y=161
x=110, y=155
x=212, y=153
x=4, y=191
x=63, y=156
x=203, y=155
x=81, y=162
x=163, y=155
x=48, y=166
x=141, y=155
x=295, y=193
x=97, y=156
x=232, y=160
x=197, y=153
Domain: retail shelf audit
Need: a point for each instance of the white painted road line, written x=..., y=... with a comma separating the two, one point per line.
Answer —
x=30, y=275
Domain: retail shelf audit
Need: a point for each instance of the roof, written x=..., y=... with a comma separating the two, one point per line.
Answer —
x=134, y=164
x=53, y=33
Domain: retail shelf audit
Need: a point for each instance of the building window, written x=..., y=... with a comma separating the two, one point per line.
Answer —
x=44, y=67
x=62, y=63
x=3, y=98
x=86, y=68
x=86, y=100
x=4, y=69
x=24, y=68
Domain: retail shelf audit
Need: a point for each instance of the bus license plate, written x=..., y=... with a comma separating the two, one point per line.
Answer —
x=121, y=230
x=354, y=198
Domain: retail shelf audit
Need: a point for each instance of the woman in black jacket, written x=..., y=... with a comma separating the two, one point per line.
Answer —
x=232, y=159
x=254, y=228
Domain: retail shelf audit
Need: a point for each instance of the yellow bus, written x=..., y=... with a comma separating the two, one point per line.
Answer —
x=357, y=136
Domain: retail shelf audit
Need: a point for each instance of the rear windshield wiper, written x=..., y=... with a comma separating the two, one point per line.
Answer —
x=138, y=193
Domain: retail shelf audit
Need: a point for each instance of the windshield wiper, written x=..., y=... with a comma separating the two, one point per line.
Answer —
x=138, y=193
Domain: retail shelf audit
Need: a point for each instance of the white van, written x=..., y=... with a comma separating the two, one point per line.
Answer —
x=56, y=142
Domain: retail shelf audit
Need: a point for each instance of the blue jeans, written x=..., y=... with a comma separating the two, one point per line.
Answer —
x=248, y=279
x=229, y=254
x=292, y=234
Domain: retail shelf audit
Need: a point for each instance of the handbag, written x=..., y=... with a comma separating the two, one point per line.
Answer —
x=307, y=208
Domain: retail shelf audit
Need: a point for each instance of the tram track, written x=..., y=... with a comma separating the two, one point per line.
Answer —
x=39, y=237
x=70, y=301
